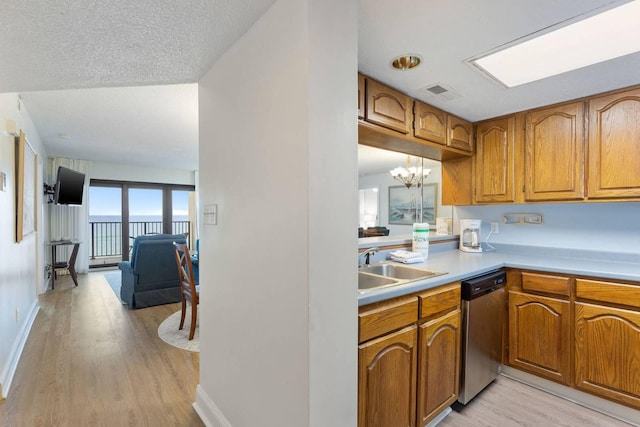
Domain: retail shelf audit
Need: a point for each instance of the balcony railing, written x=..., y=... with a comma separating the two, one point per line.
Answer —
x=106, y=237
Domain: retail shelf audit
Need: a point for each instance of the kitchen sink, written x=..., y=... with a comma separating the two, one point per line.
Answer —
x=383, y=275
x=398, y=272
x=369, y=281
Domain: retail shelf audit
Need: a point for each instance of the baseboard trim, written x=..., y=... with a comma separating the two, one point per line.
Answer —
x=614, y=410
x=441, y=416
x=208, y=412
x=16, y=351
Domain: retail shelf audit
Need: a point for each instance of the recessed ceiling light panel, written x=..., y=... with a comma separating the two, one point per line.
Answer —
x=406, y=62
x=611, y=34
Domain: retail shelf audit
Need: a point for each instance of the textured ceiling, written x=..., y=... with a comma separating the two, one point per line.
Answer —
x=142, y=54
x=68, y=44
x=147, y=125
x=50, y=49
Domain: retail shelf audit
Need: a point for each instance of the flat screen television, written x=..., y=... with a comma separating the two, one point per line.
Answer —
x=69, y=187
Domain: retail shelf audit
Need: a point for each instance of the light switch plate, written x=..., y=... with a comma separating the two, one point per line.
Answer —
x=210, y=214
x=3, y=181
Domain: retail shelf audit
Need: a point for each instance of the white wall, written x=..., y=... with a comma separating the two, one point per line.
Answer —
x=21, y=264
x=278, y=329
x=124, y=172
x=600, y=226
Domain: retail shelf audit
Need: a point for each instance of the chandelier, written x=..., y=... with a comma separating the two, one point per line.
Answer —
x=411, y=175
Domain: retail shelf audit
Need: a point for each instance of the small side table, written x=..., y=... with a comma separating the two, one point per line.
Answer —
x=70, y=265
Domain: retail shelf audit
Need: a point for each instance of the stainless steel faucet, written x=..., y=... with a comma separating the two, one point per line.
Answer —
x=367, y=254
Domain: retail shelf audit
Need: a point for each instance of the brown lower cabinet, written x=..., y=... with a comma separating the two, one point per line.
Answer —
x=439, y=364
x=540, y=336
x=607, y=340
x=409, y=372
x=387, y=386
x=581, y=332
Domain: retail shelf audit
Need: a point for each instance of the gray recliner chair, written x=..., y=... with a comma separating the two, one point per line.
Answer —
x=151, y=276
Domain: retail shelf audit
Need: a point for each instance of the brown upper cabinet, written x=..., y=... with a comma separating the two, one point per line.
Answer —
x=614, y=145
x=388, y=119
x=495, y=161
x=435, y=125
x=430, y=123
x=360, y=96
x=388, y=107
x=553, y=156
x=579, y=150
x=459, y=133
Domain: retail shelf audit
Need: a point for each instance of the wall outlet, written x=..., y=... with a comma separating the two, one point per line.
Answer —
x=495, y=227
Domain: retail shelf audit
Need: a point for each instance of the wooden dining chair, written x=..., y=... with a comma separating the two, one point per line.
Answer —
x=188, y=288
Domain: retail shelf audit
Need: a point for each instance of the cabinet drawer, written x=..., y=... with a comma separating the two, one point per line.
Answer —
x=440, y=299
x=381, y=318
x=558, y=285
x=616, y=293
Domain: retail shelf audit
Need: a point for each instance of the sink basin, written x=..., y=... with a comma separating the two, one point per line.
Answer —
x=398, y=272
x=369, y=281
x=376, y=276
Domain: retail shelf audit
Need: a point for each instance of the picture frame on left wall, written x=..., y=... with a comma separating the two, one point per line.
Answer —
x=25, y=179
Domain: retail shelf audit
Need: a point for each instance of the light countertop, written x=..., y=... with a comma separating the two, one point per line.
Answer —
x=461, y=265
x=399, y=239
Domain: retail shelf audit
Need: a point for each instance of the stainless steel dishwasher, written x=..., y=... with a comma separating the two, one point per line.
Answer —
x=483, y=305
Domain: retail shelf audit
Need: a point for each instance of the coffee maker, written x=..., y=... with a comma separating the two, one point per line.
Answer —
x=470, y=235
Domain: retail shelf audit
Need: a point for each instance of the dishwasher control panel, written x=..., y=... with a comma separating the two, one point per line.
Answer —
x=478, y=286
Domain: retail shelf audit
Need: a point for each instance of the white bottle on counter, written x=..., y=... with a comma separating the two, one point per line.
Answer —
x=421, y=238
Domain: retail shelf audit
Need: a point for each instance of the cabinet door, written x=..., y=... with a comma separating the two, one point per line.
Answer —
x=614, y=146
x=608, y=352
x=494, y=161
x=456, y=181
x=554, y=153
x=387, y=380
x=430, y=123
x=387, y=107
x=540, y=336
x=360, y=96
x=438, y=366
x=459, y=133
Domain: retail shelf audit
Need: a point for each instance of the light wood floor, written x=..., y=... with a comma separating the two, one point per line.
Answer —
x=507, y=402
x=91, y=362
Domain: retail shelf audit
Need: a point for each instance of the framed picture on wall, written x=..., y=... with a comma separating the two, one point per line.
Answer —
x=405, y=204
x=25, y=188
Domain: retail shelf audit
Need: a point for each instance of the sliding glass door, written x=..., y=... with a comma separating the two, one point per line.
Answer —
x=105, y=225
x=122, y=211
x=145, y=212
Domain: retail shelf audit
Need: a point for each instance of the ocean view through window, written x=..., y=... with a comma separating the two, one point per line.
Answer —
x=119, y=212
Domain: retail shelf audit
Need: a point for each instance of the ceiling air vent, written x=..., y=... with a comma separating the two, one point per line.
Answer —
x=436, y=90
x=441, y=91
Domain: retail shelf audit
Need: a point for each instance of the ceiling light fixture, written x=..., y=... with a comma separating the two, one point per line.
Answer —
x=406, y=62
x=411, y=175
x=610, y=34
